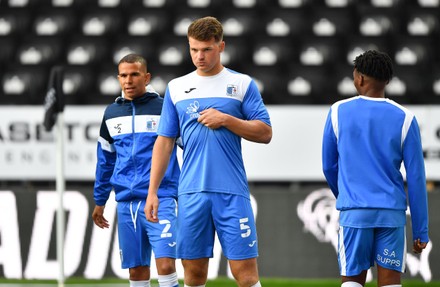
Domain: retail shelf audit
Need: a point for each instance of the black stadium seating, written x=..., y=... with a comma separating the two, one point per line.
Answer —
x=298, y=51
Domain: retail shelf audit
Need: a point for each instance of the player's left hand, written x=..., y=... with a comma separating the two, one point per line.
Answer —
x=419, y=246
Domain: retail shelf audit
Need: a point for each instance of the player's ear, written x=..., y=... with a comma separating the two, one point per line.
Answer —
x=147, y=78
x=361, y=80
x=222, y=46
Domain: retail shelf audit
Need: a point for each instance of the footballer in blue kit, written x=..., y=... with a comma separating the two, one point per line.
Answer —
x=211, y=109
x=127, y=135
x=366, y=139
x=224, y=172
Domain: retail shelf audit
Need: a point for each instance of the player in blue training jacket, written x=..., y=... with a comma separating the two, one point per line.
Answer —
x=127, y=136
x=211, y=109
x=366, y=139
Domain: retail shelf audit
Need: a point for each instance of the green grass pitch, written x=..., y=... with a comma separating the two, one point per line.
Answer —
x=220, y=282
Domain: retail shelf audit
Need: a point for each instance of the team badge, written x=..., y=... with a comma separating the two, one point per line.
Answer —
x=151, y=125
x=231, y=90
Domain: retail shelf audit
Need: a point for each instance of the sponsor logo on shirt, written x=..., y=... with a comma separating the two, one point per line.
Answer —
x=190, y=90
x=253, y=243
x=193, y=109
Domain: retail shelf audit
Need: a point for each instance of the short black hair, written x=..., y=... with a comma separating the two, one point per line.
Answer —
x=375, y=64
x=134, y=58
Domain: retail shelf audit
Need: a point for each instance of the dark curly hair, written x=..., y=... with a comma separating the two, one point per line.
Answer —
x=375, y=64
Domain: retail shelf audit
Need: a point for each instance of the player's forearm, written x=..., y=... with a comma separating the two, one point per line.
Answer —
x=254, y=130
x=161, y=156
x=418, y=205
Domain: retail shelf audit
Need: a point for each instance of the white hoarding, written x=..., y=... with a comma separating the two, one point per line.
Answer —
x=27, y=151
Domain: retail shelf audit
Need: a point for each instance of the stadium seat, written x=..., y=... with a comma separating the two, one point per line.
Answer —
x=6, y=25
x=62, y=3
x=144, y=23
x=198, y=3
x=328, y=22
x=290, y=3
x=161, y=75
x=39, y=51
x=356, y=45
x=301, y=46
x=341, y=81
x=412, y=52
x=145, y=46
x=54, y=22
x=7, y=50
x=310, y=84
x=285, y=23
x=102, y=22
x=378, y=22
x=434, y=87
x=14, y=22
x=82, y=50
x=236, y=53
x=156, y=3
x=316, y=51
x=79, y=85
x=269, y=80
x=237, y=26
x=24, y=85
x=19, y=3
x=184, y=19
x=411, y=79
x=173, y=51
x=384, y=3
x=107, y=85
x=244, y=3
x=423, y=22
x=273, y=51
x=109, y=3
x=338, y=3
x=429, y=3
x=239, y=22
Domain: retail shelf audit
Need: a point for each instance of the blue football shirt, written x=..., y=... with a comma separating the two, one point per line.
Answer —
x=212, y=158
x=365, y=142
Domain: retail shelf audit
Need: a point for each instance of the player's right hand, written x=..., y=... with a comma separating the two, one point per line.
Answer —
x=419, y=246
x=98, y=217
x=151, y=207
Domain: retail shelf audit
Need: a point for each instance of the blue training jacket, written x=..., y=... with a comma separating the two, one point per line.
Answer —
x=125, y=145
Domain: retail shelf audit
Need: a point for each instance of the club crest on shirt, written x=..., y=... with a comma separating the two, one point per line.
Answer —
x=151, y=125
x=231, y=90
x=193, y=109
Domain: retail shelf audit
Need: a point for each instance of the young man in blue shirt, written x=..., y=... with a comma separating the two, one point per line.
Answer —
x=366, y=139
x=211, y=109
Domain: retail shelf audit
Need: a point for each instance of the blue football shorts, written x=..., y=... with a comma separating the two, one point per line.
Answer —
x=202, y=214
x=139, y=237
x=359, y=248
